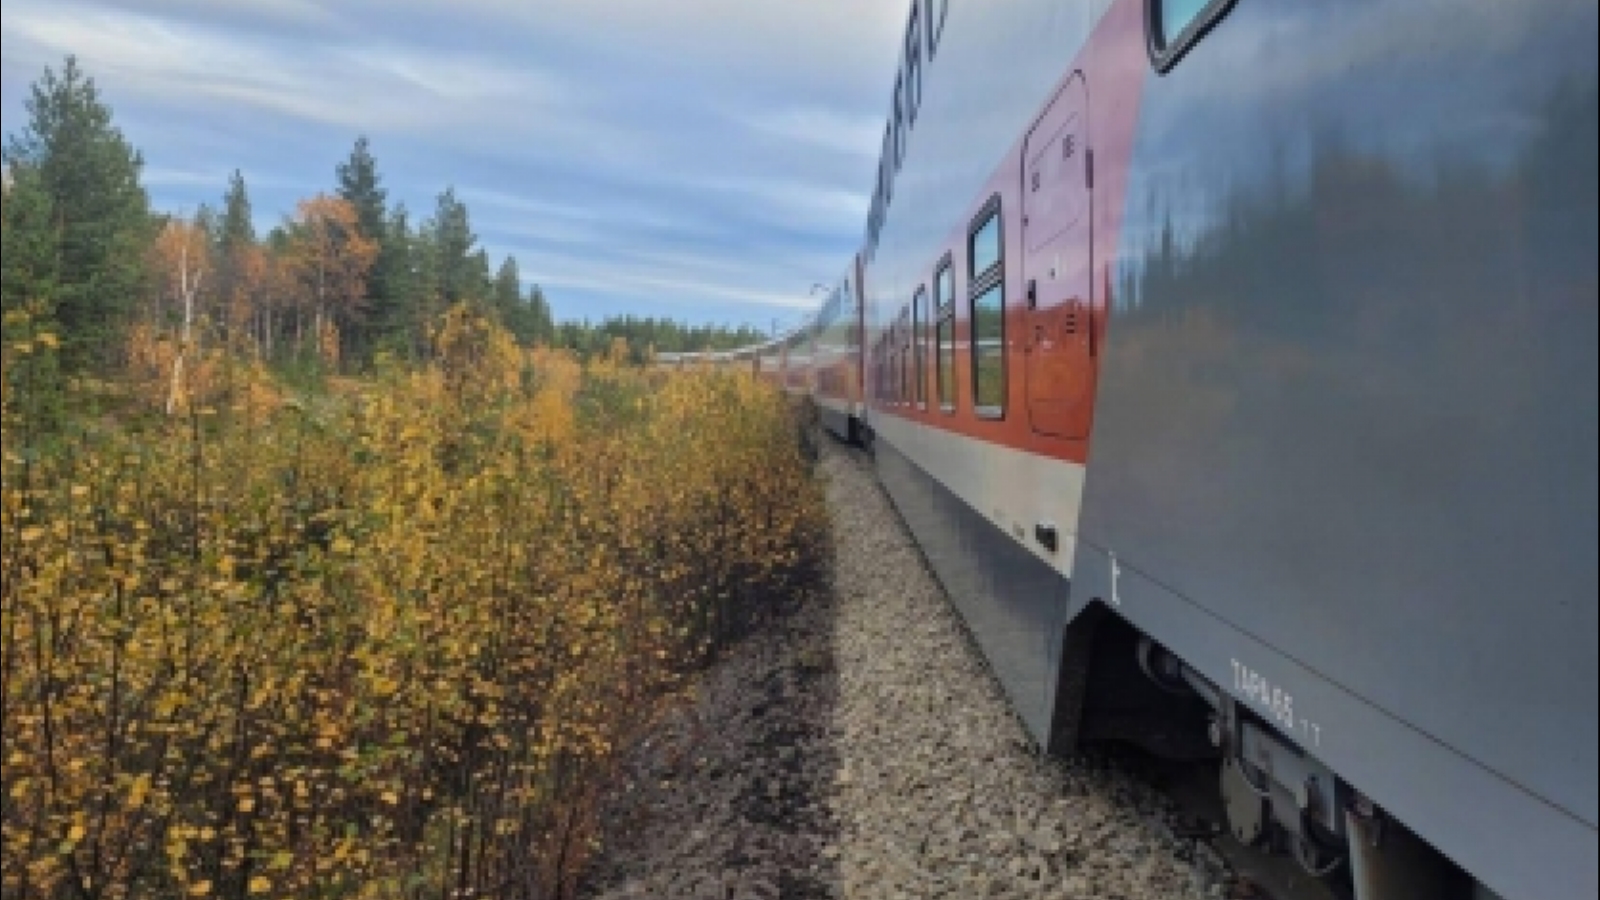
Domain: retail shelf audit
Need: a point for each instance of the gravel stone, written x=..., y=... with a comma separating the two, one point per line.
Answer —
x=858, y=748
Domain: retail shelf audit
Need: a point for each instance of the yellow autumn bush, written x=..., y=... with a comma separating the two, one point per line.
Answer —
x=383, y=643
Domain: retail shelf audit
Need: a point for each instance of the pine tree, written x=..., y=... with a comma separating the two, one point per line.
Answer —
x=235, y=256
x=361, y=187
x=27, y=294
x=397, y=313
x=542, y=326
x=237, y=230
x=455, y=261
x=27, y=251
x=427, y=301
x=97, y=210
x=506, y=298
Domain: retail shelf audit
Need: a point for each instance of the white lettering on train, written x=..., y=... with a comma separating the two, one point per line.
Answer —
x=1276, y=702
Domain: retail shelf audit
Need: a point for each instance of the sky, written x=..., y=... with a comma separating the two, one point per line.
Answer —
x=703, y=160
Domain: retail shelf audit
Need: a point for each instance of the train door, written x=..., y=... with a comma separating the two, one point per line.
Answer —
x=1057, y=270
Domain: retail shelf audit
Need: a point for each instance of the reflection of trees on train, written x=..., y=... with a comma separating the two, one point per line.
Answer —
x=1403, y=347
x=1390, y=279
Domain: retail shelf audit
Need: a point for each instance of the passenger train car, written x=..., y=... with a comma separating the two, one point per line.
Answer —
x=1234, y=363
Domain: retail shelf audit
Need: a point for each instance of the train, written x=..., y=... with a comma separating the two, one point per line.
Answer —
x=1234, y=366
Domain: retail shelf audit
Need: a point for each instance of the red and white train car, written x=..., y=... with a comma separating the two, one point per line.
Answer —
x=1234, y=364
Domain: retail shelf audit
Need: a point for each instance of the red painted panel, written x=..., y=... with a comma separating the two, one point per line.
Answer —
x=1057, y=266
x=1114, y=61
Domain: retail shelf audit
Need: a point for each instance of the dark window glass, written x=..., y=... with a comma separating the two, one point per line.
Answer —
x=947, y=360
x=988, y=351
x=944, y=303
x=892, y=367
x=905, y=356
x=937, y=9
x=983, y=250
x=877, y=371
x=886, y=169
x=913, y=66
x=919, y=345
x=899, y=121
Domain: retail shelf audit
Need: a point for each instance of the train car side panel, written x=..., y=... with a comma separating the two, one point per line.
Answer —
x=1346, y=421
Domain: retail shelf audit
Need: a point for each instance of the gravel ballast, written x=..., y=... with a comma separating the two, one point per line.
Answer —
x=858, y=748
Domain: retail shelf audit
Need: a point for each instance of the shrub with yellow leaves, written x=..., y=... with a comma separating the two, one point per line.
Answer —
x=379, y=643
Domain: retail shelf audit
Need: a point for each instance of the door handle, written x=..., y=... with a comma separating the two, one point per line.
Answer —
x=1033, y=293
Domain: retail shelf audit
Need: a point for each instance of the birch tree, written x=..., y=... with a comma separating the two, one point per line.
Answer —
x=182, y=259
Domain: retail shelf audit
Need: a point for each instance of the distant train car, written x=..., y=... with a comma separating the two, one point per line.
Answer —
x=668, y=360
x=836, y=369
x=799, y=348
x=743, y=360
x=769, y=364
x=1235, y=366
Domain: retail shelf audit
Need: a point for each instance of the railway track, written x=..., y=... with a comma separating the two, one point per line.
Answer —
x=859, y=749
x=1194, y=811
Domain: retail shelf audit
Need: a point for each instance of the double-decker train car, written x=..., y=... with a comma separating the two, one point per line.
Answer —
x=1234, y=363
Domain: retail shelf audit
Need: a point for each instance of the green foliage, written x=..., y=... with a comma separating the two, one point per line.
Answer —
x=95, y=209
x=384, y=641
x=460, y=271
x=641, y=335
x=361, y=187
x=236, y=230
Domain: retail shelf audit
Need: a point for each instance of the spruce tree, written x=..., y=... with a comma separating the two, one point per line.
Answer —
x=27, y=248
x=397, y=313
x=27, y=295
x=543, y=326
x=361, y=186
x=460, y=273
x=237, y=230
x=97, y=210
x=506, y=298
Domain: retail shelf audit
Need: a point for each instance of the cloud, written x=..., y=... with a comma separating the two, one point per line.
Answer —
x=827, y=129
x=375, y=86
x=701, y=157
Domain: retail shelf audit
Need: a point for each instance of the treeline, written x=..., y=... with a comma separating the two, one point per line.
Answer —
x=345, y=277
x=646, y=334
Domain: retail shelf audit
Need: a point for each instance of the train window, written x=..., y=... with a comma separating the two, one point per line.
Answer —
x=891, y=365
x=988, y=351
x=886, y=167
x=906, y=362
x=913, y=66
x=937, y=10
x=883, y=368
x=879, y=383
x=919, y=345
x=888, y=367
x=988, y=322
x=1173, y=26
x=944, y=301
x=896, y=389
x=899, y=121
x=983, y=247
x=905, y=357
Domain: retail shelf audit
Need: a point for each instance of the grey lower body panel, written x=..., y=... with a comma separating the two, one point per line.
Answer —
x=1013, y=604
x=1520, y=845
